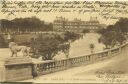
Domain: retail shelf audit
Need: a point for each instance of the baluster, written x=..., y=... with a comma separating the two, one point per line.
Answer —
x=57, y=65
x=109, y=53
x=41, y=68
x=78, y=60
x=50, y=66
x=52, y=69
x=96, y=57
x=103, y=55
x=89, y=57
x=47, y=67
x=93, y=57
x=99, y=56
x=62, y=64
x=44, y=67
x=66, y=63
x=84, y=59
x=74, y=61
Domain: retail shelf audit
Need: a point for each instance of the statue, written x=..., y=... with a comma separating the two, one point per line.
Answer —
x=15, y=49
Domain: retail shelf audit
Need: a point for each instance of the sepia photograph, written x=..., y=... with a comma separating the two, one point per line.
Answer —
x=75, y=41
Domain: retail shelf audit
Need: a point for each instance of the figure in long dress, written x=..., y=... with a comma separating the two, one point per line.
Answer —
x=9, y=37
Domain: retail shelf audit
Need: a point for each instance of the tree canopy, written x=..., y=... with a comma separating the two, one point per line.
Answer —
x=48, y=46
x=29, y=24
x=114, y=34
x=3, y=43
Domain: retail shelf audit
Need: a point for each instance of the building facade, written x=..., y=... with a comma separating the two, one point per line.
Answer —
x=77, y=25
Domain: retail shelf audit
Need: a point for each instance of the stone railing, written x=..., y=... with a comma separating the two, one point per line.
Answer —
x=15, y=69
x=42, y=68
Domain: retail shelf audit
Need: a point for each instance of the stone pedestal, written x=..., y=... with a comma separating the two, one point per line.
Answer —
x=18, y=68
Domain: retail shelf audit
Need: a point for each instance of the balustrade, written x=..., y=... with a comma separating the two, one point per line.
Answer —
x=53, y=66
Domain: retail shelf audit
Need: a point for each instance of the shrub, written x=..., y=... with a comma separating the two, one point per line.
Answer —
x=3, y=43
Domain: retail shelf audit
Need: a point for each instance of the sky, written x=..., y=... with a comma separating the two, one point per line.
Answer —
x=50, y=17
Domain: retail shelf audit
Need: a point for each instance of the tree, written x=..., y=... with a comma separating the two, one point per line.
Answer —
x=120, y=38
x=109, y=38
x=29, y=24
x=114, y=34
x=122, y=25
x=3, y=43
x=49, y=46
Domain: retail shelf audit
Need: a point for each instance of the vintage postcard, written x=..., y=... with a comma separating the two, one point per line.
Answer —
x=61, y=41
